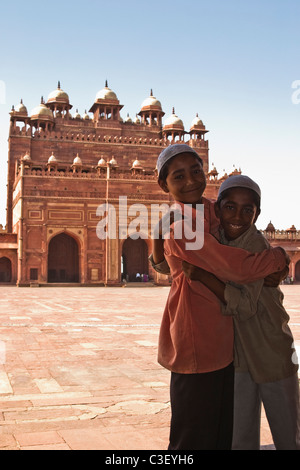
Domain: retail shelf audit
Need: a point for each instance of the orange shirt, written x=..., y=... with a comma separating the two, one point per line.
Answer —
x=195, y=337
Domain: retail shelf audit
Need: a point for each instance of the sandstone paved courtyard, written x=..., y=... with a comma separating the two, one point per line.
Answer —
x=78, y=368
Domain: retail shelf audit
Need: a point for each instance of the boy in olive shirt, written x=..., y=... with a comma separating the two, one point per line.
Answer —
x=265, y=360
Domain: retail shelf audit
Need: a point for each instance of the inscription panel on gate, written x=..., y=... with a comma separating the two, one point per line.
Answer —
x=65, y=215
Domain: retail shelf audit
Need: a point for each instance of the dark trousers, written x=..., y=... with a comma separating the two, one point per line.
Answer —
x=202, y=410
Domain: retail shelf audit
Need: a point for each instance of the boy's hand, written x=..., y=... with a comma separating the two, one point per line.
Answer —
x=274, y=279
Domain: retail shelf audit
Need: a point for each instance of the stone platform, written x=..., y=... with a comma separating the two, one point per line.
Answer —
x=78, y=368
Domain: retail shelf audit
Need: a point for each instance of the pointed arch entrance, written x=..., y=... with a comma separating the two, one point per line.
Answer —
x=134, y=258
x=297, y=271
x=63, y=259
x=5, y=269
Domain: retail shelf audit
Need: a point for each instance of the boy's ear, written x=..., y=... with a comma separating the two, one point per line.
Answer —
x=217, y=209
x=163, y=186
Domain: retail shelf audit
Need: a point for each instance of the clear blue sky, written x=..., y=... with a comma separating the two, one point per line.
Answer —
x=232, y=62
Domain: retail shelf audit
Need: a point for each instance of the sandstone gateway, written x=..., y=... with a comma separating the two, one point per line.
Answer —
x=62, y=166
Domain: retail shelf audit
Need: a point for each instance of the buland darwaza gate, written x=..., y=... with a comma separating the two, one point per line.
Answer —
x=62, y=166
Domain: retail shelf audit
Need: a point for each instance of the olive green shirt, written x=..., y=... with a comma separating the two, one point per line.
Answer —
x=264, y=344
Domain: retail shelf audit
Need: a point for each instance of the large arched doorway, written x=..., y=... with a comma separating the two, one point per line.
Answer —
x=297, y=271
x=134, y=259
x=5, y=270
x=63, y=259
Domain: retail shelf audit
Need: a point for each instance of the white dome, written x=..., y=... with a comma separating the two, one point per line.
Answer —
x=77, y=160
x=197, y=122
x=174, y=121
x=113, y=161
x=77, y=115
x=21, y=108
x=137, y=164
x=151, y=102
x=106, y=94
x=58, y=95
x=42, y=112
x=101, y=162
x=52, y=158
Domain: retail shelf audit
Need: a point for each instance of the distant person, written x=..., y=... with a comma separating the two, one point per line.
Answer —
x=265, y=359
x=196, y=340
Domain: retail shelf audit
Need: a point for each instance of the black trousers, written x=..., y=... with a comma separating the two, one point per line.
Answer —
x=202, y=410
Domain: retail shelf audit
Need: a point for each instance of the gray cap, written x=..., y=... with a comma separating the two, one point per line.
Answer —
x=171, y=151
x=239, y=181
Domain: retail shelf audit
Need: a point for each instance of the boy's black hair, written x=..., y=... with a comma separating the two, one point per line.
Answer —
x=165, y=169
x=224, y=194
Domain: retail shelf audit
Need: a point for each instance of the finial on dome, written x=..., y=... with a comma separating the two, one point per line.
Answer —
x=151, y=92
x=106, y=84
x=42, y=100
x=173, y=110
x=58, y=85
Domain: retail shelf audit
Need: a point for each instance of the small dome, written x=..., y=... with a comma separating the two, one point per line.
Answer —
x=106, y=94
x=173, y=121
x=151, y=103
x=86, y=117
x=26, y=157
x=52, y=158
x=137, y=120
x=42, y=112
x=77, y=115
x=58, y=95
x=270, y=227
x=101, y=162
x=196, y=122
x=77, y=160
x=128, y=119
x=137, y=164
x=21, y=108
x=113, y=161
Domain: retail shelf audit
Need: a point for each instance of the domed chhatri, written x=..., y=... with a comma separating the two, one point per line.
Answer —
x=52, y=158
x=173, y=128
x=106, y=105
x=77, y=161
x=151, y=103
x=58, y=95
x=21, y=109
x=173, y=122
x=41, y=112
x=59, y=103
x=151, y=111
x=106, y=94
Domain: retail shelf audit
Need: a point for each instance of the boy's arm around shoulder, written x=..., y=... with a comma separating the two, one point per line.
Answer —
x=226, y=262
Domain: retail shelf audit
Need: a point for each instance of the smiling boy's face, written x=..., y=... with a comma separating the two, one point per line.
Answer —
x=237, y=211
x=186, y=179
